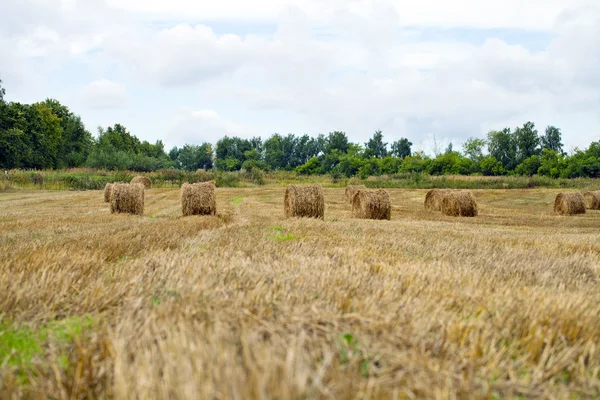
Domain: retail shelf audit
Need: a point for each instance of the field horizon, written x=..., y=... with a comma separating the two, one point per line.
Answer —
x=249, y=304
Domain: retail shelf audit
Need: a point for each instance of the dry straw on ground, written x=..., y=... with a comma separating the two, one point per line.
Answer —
x=107, y=192
x=592, y=200
x=143, y=180
x=304, y=201
x=433, y=199
x=127, y=198
x=198, y=198
x=569, y=203
x=372, y=204
x=351, y=191
x=459, y=204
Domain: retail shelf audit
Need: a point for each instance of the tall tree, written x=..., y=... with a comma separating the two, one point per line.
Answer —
x=528, y=141
x=473, y=148
x=2, y=91
x=552, y=139
x=376, y=147
x=193, y=157
x=401, y=148
x=336, y=140
x=503, y=147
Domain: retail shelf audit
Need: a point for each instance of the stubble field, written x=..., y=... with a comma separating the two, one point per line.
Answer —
x=249, y=305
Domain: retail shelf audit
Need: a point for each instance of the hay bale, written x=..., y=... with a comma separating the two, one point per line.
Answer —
x=127, y=198
x=304, y=201
x=107, y=192
x=351, y=190
x=433, y=199
x=37, y=179
x=592, y=200
x=459, y=204
x=198, y=198
x=143, y=180
x=372, y=204
x=569, y=203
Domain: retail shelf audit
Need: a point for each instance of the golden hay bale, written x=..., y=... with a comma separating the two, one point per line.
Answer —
x=459, y=204
x=127, y=198
x=372, y=204
x=569, y=203
x=143, y=180
x=107, y=192
x=433, y=199
x=351, y=191
x=592, y=200
x=304, y=201
x=198, y=198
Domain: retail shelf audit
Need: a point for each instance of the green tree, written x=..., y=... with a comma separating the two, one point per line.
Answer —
x=230, y=151
x=193, y=157
x=2, y=91
x=376, y=147
x=529, y=166
x=473, y=148
x=528, y=141
x=336, y=141
x=502, y=146
x=552, y=139
x=401, y=148
x=489, y=166
x=76, y=139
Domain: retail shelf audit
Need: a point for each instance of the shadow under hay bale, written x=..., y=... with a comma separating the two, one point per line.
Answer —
x=459, y=204
x=592, y=200
x=304, y=201
x=372, y=204
x=351, y=191
x=198, y=199
x=127, y=198
x=433, y=199
x=107, y=192
x=569, y=203
x=144, y=180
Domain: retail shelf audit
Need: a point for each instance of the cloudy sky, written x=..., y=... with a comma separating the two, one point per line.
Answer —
x=189, y=71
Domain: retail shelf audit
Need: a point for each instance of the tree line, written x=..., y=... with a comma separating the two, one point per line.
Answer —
x=47, y=135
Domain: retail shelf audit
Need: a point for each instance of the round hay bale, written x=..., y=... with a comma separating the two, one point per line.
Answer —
x=37, y=179
x=433, y=199
x=459, y=204
x=592, y=200
x=569, y=203
x=143, y=180
x=107, y=192
x=198, y=198
x=127, y=198
x=304, y=201
x=351, y=191
x=372, y=204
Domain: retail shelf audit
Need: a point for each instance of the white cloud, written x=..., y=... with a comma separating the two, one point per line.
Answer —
x=354, y=65
x=199, y=126
x=104, y=94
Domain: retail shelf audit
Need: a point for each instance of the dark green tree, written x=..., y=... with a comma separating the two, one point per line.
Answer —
x=336, y=140
x=376, y=147
x=502, y=146
x=528, y=141
x=401, y=148
x=552, y=139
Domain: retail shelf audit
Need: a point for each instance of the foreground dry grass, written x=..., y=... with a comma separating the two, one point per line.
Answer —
x=247, y=304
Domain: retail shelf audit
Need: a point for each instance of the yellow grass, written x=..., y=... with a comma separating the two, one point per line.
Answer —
x=249, y=305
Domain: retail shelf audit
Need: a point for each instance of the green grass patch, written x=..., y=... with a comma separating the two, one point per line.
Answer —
x=19, y=345
x=280, y=235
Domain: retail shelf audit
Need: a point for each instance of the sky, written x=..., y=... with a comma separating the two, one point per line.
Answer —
x=433, y=71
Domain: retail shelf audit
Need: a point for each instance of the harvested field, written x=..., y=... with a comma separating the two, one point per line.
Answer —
x=248, y=304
